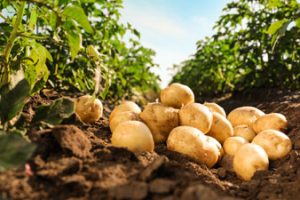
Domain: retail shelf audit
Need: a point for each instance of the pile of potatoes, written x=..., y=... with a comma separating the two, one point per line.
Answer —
x=202, y=131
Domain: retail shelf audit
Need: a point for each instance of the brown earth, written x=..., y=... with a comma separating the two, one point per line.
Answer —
x=77, y=162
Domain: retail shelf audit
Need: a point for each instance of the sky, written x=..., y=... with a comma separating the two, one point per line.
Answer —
x=172, y=27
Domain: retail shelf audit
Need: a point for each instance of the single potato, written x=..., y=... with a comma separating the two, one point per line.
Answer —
x=88, y=109
x=122, y=117
x=125, y=106
x=196, y=115
x=160, y=119
x=274, y=121
x=248, y=159
x=193, y=143
x=134, y=135
x=232, y=144
x=244, y=131
x=213, y=141
x=275, y=143
x=221, y=128
x=176, y=95
x=215, y=108
x=245, y=115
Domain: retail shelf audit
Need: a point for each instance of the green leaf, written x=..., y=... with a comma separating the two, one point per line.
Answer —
x=14, y=150
x=13, y=101
x=55, y=113
x=77, y=13
x=297, y=21
x=74, y=41
x=33, y=18
x=276, y=26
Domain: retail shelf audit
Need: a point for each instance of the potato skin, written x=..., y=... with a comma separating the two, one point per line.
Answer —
x=125, y=106
x=134, y=135
x=196, y=115
x=215, y=108
x=193, y=143
x=245, y=115
x=176, y=95
x=248, y=159
x=232, y=144
x=221, y=128
x=122, y=117
x=275, y=143
x=244, y=131
x=274, y=121
x=217, y=143
x=160, y=119
x=88, y=109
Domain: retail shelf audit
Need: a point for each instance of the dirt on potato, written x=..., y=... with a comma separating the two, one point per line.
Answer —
x=75, y=161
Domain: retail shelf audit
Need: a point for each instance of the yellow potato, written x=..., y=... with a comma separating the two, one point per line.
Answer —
x=196, y=115
x=193, y=143
x=274, y=121
x=232, y=144
x=245, y=115
x=213, y=141
x=176, y=95
x=221, y=128
x=275, y=143
x=122, y=117
x=160, y=119
x=134, y=135
x=244, y=131
x=88, y=109
x=215, y=108
x=248, y=159
x=125, y=106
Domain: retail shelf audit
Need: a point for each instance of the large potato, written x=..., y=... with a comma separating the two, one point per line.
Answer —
x=248, y=159
x=193, y=143
x=122, y=117
x=88, y=109
x=196, y=115
x=215, y=108
x=133, y=135
x=275, y=143
x=125, y=106
x=232, y=144
x=244, y=131
x=274, y=121
x=221, y=128
x=245, y=115
x=177, y=95
x=160, y=119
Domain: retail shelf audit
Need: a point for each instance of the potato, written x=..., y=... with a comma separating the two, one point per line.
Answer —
x=217, y=143
x=196, y=115
x=125, y=106
x=193, y=143
x=248, y=159
x=244, y=131
x=88, y=109
x=160, y=119
x=275, y=143
x=215, y=108
x=134, y=135
x=232, y=144
x=245, y=115
x=176, y=95
x=122, y=117
x=221, y=128
x=274, y=121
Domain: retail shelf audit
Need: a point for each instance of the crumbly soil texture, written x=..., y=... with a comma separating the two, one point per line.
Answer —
x=76, y=161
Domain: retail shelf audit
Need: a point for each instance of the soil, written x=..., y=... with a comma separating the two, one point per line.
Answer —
x=76, y=161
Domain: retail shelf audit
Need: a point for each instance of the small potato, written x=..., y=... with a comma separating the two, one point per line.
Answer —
x=176, y=95
x=122, y=117
x=196, y=115
x=215, y=108
x=88, y=109
x=232, y=144
x=275, y=143
x=221, y=128
x=160, y=119
x=193, y=143
x=245, y=115
x=248, y=159
x=125, y=106
x=244, y=131
x=217, y=143
x=274, y=121
x=134, y=135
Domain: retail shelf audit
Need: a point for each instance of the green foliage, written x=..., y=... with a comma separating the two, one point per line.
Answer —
x=243, y=52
